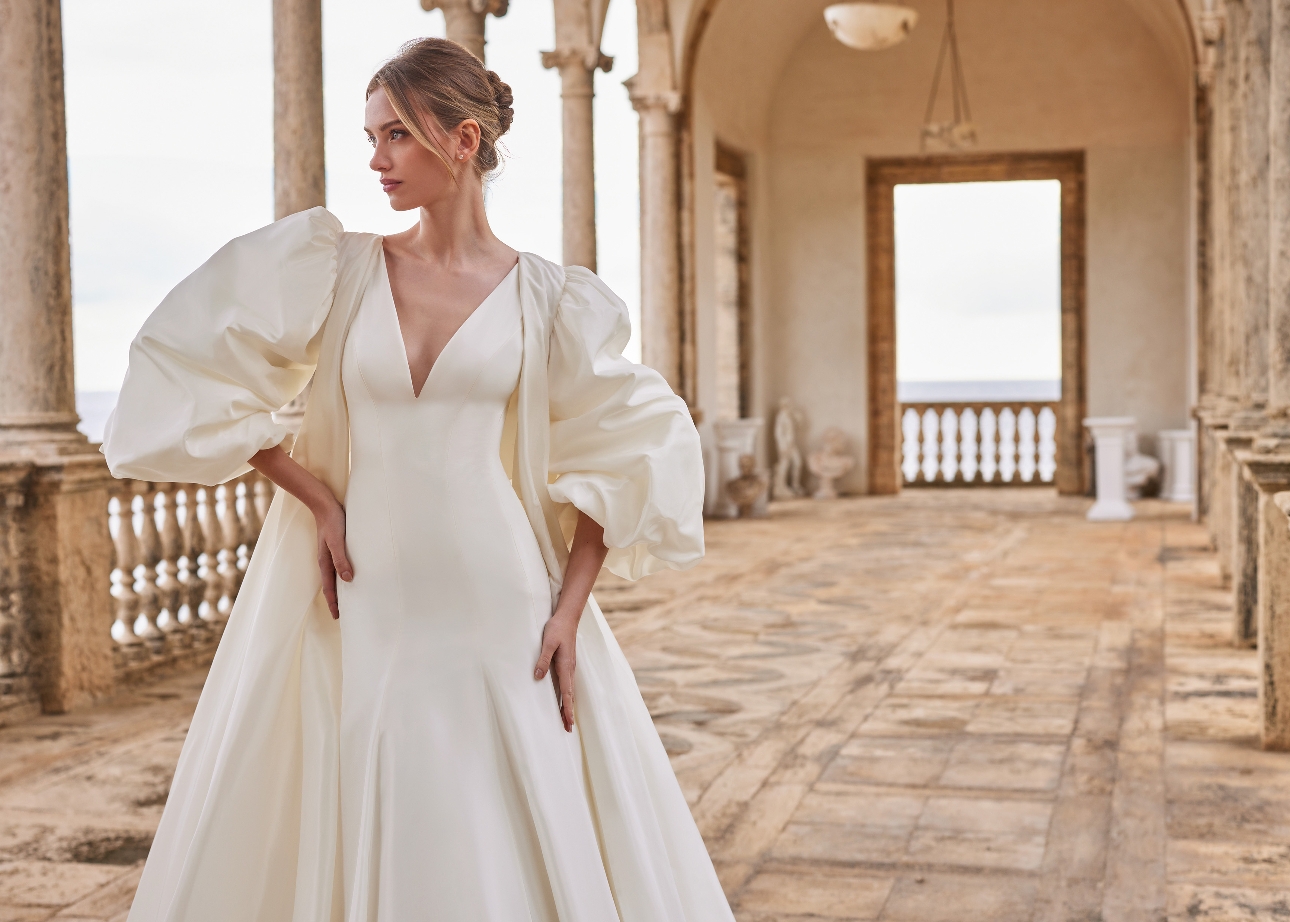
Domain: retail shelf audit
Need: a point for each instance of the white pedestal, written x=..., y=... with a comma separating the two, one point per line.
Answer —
x=1178, y=453
x=1110, y=437
x=735, y=438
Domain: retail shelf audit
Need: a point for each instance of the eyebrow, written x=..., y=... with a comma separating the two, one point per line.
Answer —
x=396, y=121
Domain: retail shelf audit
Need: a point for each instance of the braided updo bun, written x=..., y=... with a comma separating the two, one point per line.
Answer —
x=441, y=79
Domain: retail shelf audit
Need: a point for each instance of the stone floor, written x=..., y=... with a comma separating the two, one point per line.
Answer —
x=951, y=706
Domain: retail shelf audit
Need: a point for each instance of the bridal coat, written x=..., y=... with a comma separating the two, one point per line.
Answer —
x=250, y=831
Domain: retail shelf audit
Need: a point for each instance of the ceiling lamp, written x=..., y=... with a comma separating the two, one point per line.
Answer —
x=870, y=26
x=958, y=132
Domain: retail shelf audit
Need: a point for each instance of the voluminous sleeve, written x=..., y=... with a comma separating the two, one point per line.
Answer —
x=624, y=449
x=231, y=344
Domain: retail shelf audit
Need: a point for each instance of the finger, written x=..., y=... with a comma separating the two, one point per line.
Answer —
x=565, y=678
x=340, y=558
x=329, y=583
x=544, y=659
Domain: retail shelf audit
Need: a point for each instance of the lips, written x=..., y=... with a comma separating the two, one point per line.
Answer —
x=388, y=185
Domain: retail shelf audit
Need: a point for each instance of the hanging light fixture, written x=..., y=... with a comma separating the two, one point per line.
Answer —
x=870, y=26
x=959, y=132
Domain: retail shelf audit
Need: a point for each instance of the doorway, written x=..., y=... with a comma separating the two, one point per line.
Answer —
x=999, y=433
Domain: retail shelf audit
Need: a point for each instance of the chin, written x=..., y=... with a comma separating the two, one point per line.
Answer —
x=399, y=203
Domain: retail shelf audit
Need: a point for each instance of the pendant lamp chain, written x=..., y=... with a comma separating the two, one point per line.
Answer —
x=959, y=132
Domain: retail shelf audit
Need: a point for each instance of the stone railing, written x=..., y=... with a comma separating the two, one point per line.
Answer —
x=181, y=552
x=978, y=443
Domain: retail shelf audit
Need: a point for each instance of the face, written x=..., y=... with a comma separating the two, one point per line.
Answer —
x=411, y=175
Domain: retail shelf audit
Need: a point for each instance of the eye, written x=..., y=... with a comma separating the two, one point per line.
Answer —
x=371, y=140
x=397, y=133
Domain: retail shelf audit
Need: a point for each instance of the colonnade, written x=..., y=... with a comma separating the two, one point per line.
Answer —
x=1243, y=408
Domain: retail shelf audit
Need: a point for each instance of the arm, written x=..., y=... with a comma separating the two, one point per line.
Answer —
x=559, y=637
x=329, y=515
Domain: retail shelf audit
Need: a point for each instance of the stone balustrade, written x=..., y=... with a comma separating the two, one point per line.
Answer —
x=179, y=552
x=979, y=442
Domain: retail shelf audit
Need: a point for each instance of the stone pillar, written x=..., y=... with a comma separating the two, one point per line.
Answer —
x=660, y=250
x=1279, y=214
x=1274, y=624
x=464, y=20
x=577, y=69
x=61, y=541
x=1253, y=192
x=299, y=169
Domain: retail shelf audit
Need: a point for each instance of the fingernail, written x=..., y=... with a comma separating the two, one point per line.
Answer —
x=537, y=673
x=347, y=576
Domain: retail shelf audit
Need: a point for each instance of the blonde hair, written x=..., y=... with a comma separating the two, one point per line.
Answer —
x=440, y=79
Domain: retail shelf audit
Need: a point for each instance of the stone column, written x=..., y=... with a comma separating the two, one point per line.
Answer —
x=577, y=69
x=1253, y=192
x=660, y=251
x=61, y=541
x=1279, y=214
x=299, y=170
x=1109, y=436
x=464, y=20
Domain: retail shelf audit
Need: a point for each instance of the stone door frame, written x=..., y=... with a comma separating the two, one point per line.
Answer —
x=882, y=176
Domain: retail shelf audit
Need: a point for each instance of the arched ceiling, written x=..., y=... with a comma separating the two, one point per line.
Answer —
x=746, y=44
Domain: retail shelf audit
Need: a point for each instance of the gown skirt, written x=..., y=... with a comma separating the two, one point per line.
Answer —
x=462, y=796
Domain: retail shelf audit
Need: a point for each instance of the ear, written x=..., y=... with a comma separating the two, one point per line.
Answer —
x=467, y=136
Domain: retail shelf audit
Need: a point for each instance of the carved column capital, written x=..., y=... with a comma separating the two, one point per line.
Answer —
x=486, y=7
x=1212, y=24
x=589, y=58
x=643, y=99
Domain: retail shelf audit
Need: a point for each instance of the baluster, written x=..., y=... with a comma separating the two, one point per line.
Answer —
x=149, y=550
x=1027, y=443
x=230, y=539
x=1008, y=444
x=208, y=558
x=192, y=586
x=170, y=543
x=950, y=441
x=931, y=444
x=264, y=490
x=121, y=510
x=251, y=520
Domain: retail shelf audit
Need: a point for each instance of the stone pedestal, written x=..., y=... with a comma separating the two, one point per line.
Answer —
x=1178, y=453
x=1225, y=506
x=1274, y=625
x=1264, y=470
x=735, y=438
x=1110, y=438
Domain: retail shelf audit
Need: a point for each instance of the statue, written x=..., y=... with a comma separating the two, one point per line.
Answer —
x=830, y=462
x=788, y=459
x=747, y=488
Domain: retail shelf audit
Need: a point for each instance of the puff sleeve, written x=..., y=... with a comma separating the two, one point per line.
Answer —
x=231, y=344
x=623, y=447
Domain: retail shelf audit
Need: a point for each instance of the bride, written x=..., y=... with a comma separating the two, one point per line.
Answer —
x=417, y=710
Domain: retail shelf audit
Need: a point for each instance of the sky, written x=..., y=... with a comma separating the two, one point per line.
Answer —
x=978, y=281
x=170, y=145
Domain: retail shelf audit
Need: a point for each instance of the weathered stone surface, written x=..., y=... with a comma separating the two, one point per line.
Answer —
x=946, y=705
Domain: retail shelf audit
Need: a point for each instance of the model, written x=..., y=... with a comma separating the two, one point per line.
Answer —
x=393, y=728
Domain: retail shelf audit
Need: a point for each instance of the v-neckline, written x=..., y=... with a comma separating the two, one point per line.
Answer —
x=398, y=325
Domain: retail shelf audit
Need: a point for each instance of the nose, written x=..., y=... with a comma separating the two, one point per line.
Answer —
x=379, y=162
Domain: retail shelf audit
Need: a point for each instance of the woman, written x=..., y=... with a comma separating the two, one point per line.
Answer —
x=413, y=741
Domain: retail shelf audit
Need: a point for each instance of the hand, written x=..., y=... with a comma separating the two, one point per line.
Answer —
x=333, y=559
x=559, y=641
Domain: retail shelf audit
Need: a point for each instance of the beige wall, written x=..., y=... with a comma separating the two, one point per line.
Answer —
x=1103, y=76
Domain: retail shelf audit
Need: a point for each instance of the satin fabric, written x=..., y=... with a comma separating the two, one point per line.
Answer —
x=252, y=828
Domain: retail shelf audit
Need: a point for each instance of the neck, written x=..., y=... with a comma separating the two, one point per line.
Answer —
x=454, y=229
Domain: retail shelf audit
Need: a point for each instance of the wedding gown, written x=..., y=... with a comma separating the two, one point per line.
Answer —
x=460, y=789
x=401, y=764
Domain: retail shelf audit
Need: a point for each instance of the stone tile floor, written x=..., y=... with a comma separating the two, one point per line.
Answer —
x=950, y=706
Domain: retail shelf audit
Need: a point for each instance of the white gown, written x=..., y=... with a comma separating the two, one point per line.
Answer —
x=460, y=789
x=401, y=764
